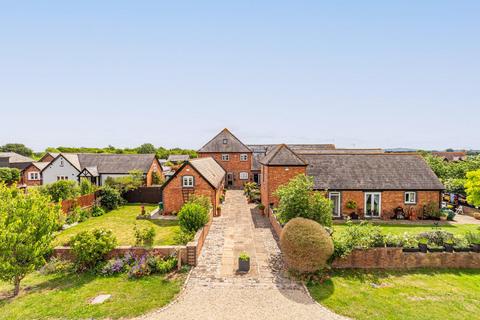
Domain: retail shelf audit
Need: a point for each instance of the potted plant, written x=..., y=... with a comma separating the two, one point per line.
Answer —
x=423, y=244
x=443, y=216
x=243, y=262
x=448, y=245
x=474, y=239
x=352, y=205
x=219, y=210
x=460, y=244
x=409, y=243
x=261, y=207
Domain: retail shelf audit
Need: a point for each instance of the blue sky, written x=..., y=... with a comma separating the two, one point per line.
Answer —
x=353, y=73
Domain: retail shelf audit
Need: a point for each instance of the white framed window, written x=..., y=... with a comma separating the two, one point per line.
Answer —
x=225, y=141
x=410, y=197
x=335, y=197
x=62, y=178
x=243, y=157
x=243, y=175
x=34, y=176
x=187, y=181
x=225, y=157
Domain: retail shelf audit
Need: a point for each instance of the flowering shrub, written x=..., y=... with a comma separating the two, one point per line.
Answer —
x=140, y=268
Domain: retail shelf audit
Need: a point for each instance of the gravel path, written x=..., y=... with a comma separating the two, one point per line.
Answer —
x=215, y=291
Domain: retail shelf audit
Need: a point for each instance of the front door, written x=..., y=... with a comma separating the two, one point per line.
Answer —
x=373, y=204
x=229, y=179
x=335, y=198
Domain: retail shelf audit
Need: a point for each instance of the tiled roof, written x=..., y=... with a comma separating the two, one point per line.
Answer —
x=225, y=141
x=371, y=172
x=282, y=155
x=15, y=157
x=116, y=163
x=178, y=157
x=209, y=169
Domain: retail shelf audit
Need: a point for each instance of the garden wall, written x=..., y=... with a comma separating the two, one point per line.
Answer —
x=84, y=201
x=395, y=258
x=194, y=247
x=276, y=226
x=65, y=253
x=144, y=195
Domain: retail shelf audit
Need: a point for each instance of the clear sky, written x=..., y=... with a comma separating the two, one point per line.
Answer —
x=174, y=73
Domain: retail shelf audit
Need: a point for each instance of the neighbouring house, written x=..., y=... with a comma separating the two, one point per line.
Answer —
x=451, y=156
x=14, y=160
x=232, y=155
x=48, y=157
x=97, y=167
x=378, y=183
x=32, y=174
x=202, y=176
x=178, y=158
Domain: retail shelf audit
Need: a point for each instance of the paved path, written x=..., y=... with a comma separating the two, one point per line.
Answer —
x=216, y=291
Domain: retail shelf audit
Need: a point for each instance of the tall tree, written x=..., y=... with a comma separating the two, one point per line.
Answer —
x=27, y=224
x=146, y=148
x=17, y=148
x=472, y=187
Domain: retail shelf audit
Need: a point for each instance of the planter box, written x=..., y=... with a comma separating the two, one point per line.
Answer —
x=423, y=248
x=461, y=249
x=243, y=265
x=411, y=250
x=475, y=247
x=435, y=249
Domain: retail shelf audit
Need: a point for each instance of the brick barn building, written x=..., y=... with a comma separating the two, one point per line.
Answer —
x=202, y=176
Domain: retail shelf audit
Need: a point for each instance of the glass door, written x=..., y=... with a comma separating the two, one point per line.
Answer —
x=373, y=202
x=335, y=197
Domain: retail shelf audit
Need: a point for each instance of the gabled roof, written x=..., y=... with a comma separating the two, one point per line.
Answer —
x=233, y=144
x=90, y=171
x=282, y=155
x=116, y=163
x=15, y=157
x=210, y=170
x=40, y=165
x=371, y=172
x=52, y=154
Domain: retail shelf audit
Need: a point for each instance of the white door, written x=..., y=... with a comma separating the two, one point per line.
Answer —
x=373, y=204
x=335, y=197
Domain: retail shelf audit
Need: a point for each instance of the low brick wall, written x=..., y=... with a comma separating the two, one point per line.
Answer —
x=65, y=253
x=395, y=258
x=194, y=247
x=277, y=227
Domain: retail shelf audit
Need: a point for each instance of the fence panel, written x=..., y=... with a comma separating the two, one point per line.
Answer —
x=144, y=195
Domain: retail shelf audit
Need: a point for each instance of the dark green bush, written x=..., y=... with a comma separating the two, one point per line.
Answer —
x=183, y=237
x=92, y=247
x=306, y=245
x=86, y=187
x=192, y=217
x=110, y=198
x=362, y=235
x=97, y=211
x=9, y=175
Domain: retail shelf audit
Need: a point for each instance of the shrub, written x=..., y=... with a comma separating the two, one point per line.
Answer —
x=114, y=266
x=72, y=217
x=204, y=201
x=436, y=238
x=251, y=191
x=156, y=178
x=110, y=198
x=9, y=175
x=473, y=237
x=183, y=237
x=306, y=245
x=123, y=184
x=431, y=210
x=140, y=268
x=56, y=265
x=97, y=211
x=86, y=187
x=83, y=214
x=163, y=266
x=192, y=217
x=91, y=247
x=362, y=235
x=61, y=190
x=297, y=199
x=144, y=237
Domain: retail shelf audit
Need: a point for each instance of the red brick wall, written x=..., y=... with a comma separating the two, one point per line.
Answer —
x=155, y=166
x=273, y=177
x=24, y=177
x=234, y=165
x=47, y=158
x=173, y=193
x=390, y=201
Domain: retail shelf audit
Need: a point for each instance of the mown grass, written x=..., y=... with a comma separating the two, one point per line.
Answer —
x=68, y=296
x=122, y=222
x=420, y=294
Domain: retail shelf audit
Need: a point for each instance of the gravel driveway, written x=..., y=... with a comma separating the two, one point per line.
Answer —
x=214, y=290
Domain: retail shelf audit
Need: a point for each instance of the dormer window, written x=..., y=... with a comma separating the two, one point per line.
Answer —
x=225, y=141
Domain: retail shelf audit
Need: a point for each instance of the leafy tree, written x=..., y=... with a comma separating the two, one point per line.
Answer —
x=9, y=175
x=91, y=247
x=110, y=198
x=86, y=187
x=146, y=148
x=298, y=199
x=27, y=224
x=157, y=178
x=134, y=180
x=61, y=190
x=453, y=185
x=472, y=187
x=17, y=148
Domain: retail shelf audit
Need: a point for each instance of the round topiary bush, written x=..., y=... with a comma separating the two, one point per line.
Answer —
x=306, y=245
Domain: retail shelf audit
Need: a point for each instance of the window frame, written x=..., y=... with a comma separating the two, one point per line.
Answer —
x=243, y=157
x=225, y=157
x=410, y=193
x=245, y=175
x=31, y=173
x=188, y=185
x=225, y=141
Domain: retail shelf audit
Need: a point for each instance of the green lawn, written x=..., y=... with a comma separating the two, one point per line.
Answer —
x=122, y=222
x=421, y=294
x=417, y=228
x=67, y=296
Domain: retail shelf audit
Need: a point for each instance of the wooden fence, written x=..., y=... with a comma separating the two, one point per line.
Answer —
x=84, y=201
x=144, y=195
